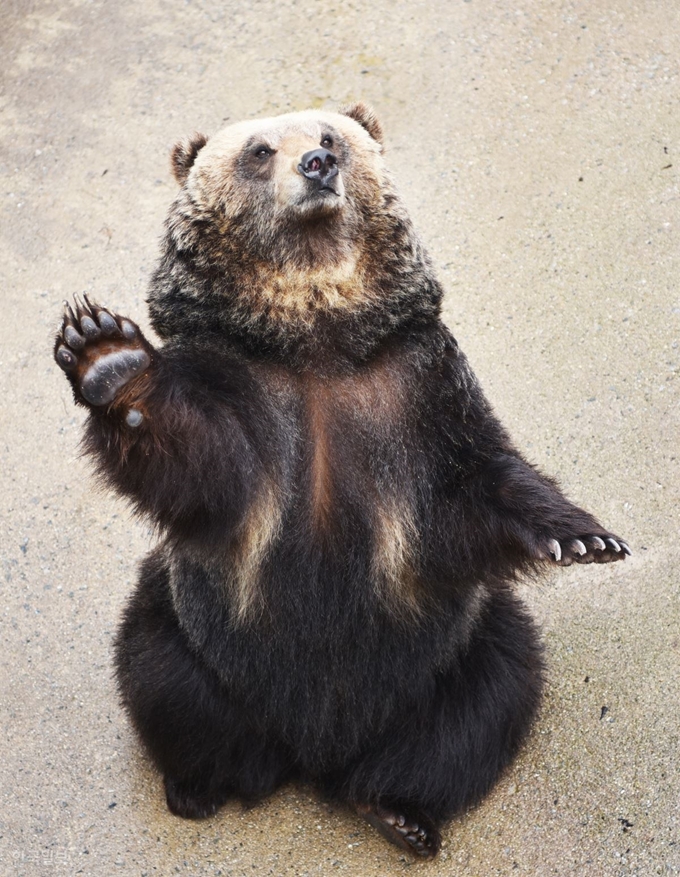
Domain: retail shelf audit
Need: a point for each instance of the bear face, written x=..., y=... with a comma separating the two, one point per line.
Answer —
x=285, y=223
x=295, y=188
x=255, y=167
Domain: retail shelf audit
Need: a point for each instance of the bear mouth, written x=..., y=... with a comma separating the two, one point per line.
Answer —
x=320, y=197
x=324, y=186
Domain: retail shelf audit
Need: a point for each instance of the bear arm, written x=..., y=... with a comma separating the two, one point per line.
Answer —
x=532, y=516
x=183, y=462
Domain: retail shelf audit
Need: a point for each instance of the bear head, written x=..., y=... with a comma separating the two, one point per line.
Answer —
x=287, y=228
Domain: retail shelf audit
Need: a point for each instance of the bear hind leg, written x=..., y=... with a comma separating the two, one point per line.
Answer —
x=202, y=743
x=446, y=752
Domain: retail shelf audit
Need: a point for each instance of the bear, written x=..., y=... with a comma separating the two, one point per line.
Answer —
x=341, y=516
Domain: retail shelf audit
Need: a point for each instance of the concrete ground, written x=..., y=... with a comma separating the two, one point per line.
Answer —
x=537, y=144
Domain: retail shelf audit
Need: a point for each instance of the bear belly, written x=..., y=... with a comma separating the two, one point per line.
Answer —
x=324, y=665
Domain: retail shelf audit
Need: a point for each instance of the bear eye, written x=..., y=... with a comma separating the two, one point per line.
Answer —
x=327, y=141
x=262, y=152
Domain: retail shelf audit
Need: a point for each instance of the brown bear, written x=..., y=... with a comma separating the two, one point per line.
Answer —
x=341, y=514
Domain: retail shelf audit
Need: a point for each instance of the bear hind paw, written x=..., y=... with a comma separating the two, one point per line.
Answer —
x=186, y=800
x=415, y=832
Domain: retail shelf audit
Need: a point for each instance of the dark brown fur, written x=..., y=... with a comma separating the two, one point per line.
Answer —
x=341, y=514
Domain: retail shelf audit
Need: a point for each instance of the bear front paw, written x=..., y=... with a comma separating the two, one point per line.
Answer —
x=587, y=549
x=100, y=352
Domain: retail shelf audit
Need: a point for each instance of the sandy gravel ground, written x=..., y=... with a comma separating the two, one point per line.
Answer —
x=537, y=144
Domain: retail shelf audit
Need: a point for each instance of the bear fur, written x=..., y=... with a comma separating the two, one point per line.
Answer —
x=341, y=514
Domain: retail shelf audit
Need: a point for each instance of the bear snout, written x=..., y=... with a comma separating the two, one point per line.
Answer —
x=319, y=164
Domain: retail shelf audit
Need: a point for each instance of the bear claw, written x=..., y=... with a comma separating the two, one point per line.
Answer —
x=555, y=549
x=588, y=549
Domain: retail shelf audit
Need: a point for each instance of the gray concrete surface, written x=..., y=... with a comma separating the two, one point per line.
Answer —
x=537, y=144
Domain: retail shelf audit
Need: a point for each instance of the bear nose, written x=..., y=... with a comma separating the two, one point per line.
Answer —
x=319, y=164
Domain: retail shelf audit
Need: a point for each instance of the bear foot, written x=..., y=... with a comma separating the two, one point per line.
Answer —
x=415, y=833
x=586, y=549
x=185, y=800
x=100, y=353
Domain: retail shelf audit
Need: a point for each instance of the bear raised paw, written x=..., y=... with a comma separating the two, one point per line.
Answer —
x=100, y=354
x=341, y=514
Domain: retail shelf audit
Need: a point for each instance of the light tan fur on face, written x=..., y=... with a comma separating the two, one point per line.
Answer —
x=212, y=181
x=291, y=134
x=288, y=181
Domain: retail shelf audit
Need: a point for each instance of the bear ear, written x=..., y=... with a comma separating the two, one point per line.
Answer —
x=184, y=154
x=366, y=117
